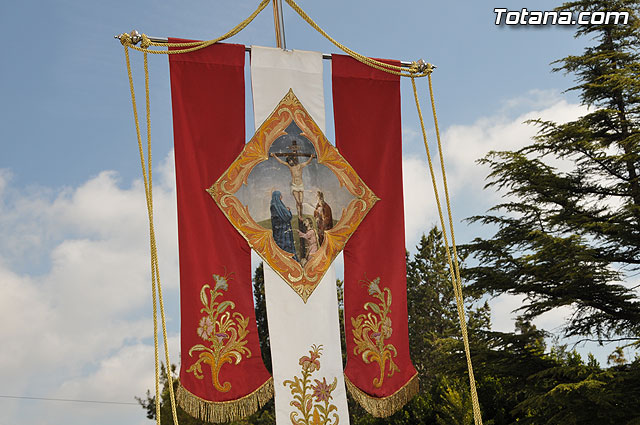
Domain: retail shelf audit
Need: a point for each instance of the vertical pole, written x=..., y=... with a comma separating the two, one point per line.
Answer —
x=278, y=20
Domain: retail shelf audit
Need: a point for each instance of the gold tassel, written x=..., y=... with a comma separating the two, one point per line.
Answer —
x=381, y=407
x=224, y=411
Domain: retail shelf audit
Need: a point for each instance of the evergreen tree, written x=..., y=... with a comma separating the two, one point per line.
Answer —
x=571, y=391
x=434, y=328
x=570, y=235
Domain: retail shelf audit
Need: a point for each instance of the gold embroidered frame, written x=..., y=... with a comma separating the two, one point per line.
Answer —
x=303, y=280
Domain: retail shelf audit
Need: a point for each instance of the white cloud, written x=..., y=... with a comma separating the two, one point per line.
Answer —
x=419, y=211
x=127, y=373
x=533, y=100
x=463, y=145
x=504, y=311
x=5, y=177
x=503, y=314
x=78, y=324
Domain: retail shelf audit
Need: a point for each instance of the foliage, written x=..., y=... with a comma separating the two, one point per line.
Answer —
x=434, y=327
x=574, y=392
x=570, y=232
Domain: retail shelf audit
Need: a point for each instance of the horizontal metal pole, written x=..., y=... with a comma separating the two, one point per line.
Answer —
x=327, y=56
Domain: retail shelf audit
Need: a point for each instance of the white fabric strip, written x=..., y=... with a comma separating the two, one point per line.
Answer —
x=296, y=328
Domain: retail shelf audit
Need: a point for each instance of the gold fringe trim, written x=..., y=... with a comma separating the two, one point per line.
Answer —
x=381, y=407
x=224, y=411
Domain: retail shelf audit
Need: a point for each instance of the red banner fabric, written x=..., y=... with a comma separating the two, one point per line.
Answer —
x=222, y=376
x=379, y=372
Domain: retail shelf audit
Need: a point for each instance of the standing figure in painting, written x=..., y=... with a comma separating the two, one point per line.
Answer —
x=323, y=216
x=281, y=224
x=311, y=236
x=297, y=186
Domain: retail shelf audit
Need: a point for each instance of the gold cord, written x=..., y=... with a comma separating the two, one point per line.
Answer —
x=455, y=270
x=192, y=46
x=414, y=71
x=155, y=271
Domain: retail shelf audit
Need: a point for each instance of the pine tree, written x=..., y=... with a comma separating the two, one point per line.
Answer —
x=570, y=235
x=434, y=328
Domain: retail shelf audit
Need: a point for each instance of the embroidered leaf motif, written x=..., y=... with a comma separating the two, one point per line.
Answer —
x=373, y=307
x=312, y=401
x=223, y=306
x=224, y=332
x=370, y=330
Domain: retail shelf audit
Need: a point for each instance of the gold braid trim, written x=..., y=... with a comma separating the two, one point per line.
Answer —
x=224, y=411
x=381, y=407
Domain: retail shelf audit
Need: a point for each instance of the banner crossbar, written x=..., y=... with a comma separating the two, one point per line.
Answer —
x=326, y=56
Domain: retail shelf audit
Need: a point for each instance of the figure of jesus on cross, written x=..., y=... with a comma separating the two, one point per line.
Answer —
x=295, y=167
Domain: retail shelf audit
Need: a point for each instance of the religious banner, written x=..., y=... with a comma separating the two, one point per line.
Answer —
x=311, y=201
x=379, y=372
x=222, y=376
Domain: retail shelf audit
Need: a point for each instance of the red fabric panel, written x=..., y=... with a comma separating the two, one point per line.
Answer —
x=207, y=90
x=366, y=106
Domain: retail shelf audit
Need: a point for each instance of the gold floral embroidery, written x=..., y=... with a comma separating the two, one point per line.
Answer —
x=318, y=412
x=223, y=330
x=370, y=331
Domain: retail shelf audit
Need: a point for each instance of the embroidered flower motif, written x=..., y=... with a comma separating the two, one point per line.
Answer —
x=386, y=329
x=206, y=327
x=224, y=332
x=311, y=363
x=371, y=329
x=322, y=390
x=374, y=287
x=320, y=412
x=221, y=283
x=221, y=336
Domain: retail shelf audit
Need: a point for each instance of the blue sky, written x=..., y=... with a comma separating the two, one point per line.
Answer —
x=74, y=248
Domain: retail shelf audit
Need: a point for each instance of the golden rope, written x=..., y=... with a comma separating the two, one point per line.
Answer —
x=155, y=271
x=414, y=71
x=191, y=46
x=474, y=396
x=455, y=271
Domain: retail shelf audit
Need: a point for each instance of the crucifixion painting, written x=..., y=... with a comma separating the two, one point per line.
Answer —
x=263, y=195
x=295, y=167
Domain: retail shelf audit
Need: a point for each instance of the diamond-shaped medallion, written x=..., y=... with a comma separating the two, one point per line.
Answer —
x=293, y=197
